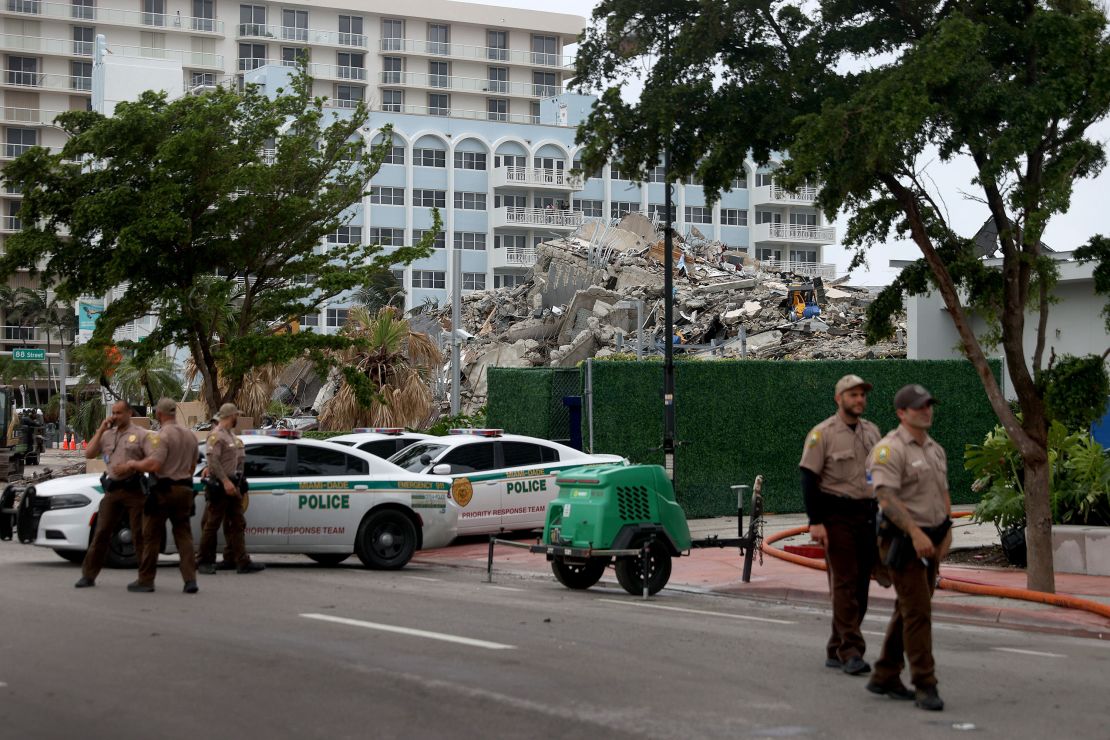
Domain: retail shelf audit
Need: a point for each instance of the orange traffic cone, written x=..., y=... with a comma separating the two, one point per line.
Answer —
x=69, y=442
x=84, y=444
x=65, y=442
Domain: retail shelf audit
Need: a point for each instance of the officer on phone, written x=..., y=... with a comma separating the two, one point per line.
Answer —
x=909, y=471
x=118, y=441
x=226, y=493
x=172, y=457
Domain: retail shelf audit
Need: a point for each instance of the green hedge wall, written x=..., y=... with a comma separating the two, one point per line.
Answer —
x=738, y=419
x=530, y=400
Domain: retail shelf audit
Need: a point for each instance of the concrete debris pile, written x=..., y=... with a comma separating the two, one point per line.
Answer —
x=599, y=292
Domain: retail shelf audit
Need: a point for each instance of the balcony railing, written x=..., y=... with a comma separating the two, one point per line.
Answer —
x=187, y=58
x=11, y=151
x=114, y=16
x=535, y=177
x=822, y=270
x=256, y=31
x=29, y=115
x=793, y=233
x=64, y=47
x=519, y=256
x=544, y=217
x=10, y=224
x=468, y=84
x=483, y=53
x=473, y=115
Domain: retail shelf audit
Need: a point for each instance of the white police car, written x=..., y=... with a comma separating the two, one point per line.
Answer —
x=381, y=441
x=501, y=481
x=306, y=496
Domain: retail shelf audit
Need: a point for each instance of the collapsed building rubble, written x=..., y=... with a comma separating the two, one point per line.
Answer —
x=599, y=292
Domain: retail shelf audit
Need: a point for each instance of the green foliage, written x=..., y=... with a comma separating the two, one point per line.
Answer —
x=477, y=420
x=88, y=416
x=530, y=400
x=316, y=434
x=1076, y=389
x=737, y=419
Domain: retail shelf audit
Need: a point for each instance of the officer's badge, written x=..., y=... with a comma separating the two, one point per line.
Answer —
x=462, y=491
x=882, y=454
x=813, y=439
x=132, y=438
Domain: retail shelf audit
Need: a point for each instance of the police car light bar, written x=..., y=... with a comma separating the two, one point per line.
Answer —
x=283, y=433
x=478, y=432
x=378, y=430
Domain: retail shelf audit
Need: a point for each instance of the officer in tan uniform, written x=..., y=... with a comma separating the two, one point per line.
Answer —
x=841, y=509
x=226, y=494
x=172, y=456
x=909, y=471
x=118, y=441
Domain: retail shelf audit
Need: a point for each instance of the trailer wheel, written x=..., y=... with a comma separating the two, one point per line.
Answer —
x=630, y=572
x=579, y=575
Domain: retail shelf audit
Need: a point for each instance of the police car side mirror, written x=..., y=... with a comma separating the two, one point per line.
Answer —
x=442, y=469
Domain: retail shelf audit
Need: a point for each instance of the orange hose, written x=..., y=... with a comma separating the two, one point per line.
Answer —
x=949, y=584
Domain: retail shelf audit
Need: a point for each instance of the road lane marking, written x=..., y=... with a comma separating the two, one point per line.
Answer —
x=695, y=611
x=872, y=632
x=423, y=578
x=1036, y=653
x=411, y=632
x=506, y=588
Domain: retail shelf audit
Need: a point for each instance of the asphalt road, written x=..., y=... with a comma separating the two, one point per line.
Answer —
x=433, y=652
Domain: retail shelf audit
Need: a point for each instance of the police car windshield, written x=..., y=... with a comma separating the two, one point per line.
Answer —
x=413, y=459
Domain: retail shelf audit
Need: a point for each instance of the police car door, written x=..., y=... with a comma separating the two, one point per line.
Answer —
x=332, y=494
x=267, y=511
x=528, y=485
x=476, y=490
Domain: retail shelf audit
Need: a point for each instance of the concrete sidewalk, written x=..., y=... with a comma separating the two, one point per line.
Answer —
x=718, y=571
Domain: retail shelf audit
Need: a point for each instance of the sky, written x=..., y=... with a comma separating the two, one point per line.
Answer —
x=1088, y=215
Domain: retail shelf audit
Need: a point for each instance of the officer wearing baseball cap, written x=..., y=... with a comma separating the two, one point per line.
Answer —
x=841, y=510
x=226, y=493
x=909, y=471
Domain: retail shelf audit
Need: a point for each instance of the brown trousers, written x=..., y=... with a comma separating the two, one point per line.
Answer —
x=176, y=505
x=113, y=507
x=910, y=631
x=851, y=554
x=227, y=511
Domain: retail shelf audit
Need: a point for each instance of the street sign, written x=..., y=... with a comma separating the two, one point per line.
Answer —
x=28, y=354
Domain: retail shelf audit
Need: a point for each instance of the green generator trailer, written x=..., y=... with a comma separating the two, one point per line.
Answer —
x=626, y=516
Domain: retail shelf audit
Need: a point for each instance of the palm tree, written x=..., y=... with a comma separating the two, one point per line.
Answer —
x=384, y=380
x=13, y=371
x=52, y=316
x=381, y=290
x=153, y=377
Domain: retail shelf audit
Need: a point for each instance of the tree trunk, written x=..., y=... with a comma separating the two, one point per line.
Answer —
x=1039, y=574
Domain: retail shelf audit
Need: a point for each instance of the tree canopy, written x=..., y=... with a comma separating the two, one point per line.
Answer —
x=861, y=97
x=189, y=207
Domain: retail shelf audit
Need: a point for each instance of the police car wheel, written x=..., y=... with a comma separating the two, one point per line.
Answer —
x=386, y=540
x=630, y=572
x=121, y=549
x=327, y=558
x=73, y=556
x=579, y=575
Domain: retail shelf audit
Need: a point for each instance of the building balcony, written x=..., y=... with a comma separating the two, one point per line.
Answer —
x=423, y=110
x=545, y=218
x=439, y=49
x=111, y=16
x=193, y=59
x=512, y=257
x=39, y=45
x=10, y=224
x=771, y=233
x=823, y=270
x=449, y=83
x=546, y=179
x=29, y=116
x=320, y=37
x=773, y=195
x=23, y=80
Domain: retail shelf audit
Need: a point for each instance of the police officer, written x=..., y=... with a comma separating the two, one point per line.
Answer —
x=226, y=496
x=841, y=509
x=172, y=456
x=909, y=471
x=119, y=441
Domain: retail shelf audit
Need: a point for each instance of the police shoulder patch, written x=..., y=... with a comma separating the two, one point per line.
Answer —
x=813, y=438
x=213, y=439
x=154, y=439
x=882, y=454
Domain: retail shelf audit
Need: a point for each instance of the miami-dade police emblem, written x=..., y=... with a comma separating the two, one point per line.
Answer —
x=462, y=491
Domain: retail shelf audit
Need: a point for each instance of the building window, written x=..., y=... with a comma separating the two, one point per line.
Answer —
x=350, y=30
x=80, y=75
x=767, y=217
x=349, y=96
x=19, y=140
x=699, y=215
x=740, y=183
x=204, y=15
x=544, y=84
x=337, y=317
x=497, y=109
x=473, y=240
x=763, y=253
x=429, y=198
x=439, y=241
x=439, y=36
x=310, y=320
x=803, y=255
x=393, y=101
x=429, y=158
x=474, y=281
x=510, y=201
x=392, y=68
x=734, y=217
x=432, y=279
x=396, y=155
x=545, y=50
x=534, y=111
x=294, y=25
x=589, y=208
x=154, y=13
x=659, y=211
x=251, y=56
x=350, y=65
x=615, y=174
x=470, y=160
x=618, y=209
x=24, y=71
x=497, y=45
x=346, y=235
x=803, y=219
x=84, y=9
x=252, y=20
x=508, y=280
x=657, y=174
x=83, y=38
x=510, y=241
x=439, y=104
x=385, y=196
x=399, y=276
x=438, y=73
x=393, y=34
x=293, y=55
x=470, y=201
x=386, y=237
x=498, y=80
x=203, y=79
x=763, y=179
